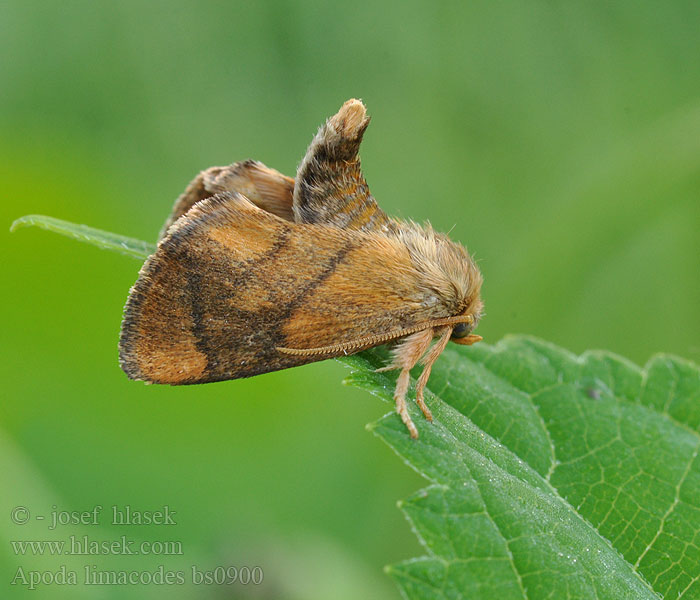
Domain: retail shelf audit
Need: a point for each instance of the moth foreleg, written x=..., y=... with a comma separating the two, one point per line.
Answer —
x=406, y=355
x=400, y=399
x=428, y=361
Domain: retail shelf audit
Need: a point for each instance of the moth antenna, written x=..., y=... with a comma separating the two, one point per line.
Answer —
x=374, y=340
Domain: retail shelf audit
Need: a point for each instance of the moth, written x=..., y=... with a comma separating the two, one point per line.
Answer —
x=256, y=272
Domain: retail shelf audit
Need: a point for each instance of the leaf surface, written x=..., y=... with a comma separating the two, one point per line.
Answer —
x=551, y=475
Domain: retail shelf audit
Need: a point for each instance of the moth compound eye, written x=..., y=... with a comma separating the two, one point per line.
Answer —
x=461, y=330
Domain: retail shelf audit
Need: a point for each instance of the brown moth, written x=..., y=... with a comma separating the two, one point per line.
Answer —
x=256, y=272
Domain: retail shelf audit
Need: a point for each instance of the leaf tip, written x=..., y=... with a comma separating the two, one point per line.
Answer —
x=24, y=221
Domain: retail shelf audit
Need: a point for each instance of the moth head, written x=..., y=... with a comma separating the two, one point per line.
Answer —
x=448, y=277
x=460, y=286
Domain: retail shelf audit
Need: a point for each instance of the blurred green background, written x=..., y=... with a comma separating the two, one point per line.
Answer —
x=560, y=143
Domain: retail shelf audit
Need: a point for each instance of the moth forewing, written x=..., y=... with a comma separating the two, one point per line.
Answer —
x=232, y=284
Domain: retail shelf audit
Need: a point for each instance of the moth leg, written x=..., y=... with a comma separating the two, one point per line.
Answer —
x=400, y=399
x=428, y=361
x=405, y=357
x=266, y=188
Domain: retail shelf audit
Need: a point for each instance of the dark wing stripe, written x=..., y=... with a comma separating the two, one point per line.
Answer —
x=327, y=271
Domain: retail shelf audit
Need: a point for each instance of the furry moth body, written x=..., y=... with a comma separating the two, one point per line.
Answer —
x=256, y=272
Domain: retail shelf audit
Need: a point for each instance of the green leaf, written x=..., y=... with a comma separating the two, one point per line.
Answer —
x=97, y=237
x=552, y=475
